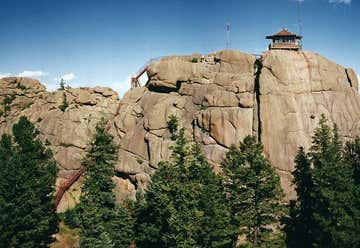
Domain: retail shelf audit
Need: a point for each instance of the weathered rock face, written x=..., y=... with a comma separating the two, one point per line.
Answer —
x=295, y=88
x=212, y=99
x=218, y=98
x=67, y=133
x=225, y=96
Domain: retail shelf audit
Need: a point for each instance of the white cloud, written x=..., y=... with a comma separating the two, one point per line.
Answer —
x=124, y=85
x=32, y=74
x=121, y=87
x=67, y=77
x=3, y=75
x=340, y=1
x=331, y=1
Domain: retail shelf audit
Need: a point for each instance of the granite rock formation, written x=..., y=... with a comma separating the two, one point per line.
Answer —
x=218, y=98
x=222, y=97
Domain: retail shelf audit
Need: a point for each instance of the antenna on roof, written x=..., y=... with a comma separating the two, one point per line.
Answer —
x=227, y=35
x=300, y=26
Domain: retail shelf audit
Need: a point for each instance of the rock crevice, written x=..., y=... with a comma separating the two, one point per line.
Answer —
x=257, y=122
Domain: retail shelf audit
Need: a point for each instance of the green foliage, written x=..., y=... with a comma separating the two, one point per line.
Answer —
x=194, y=60
x=20, y=86
x=352, y=156
x=7, y=104
x=326, y=212
x=172, y=125
x=333, y=194
x=204, y=107
x=102, y=223
x=62, y=85
x=184, y=205
x=254, y=191
x=8, y=100
x=301, y=224
x=121, y=225
x=27, y=179
x=71, y=217
x=99, y=163
x=64, y=104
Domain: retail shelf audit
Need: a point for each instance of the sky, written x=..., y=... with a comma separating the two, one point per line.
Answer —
x=104, y=42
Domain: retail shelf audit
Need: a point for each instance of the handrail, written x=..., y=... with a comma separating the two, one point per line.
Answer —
x=66, y=185
x=135, y=78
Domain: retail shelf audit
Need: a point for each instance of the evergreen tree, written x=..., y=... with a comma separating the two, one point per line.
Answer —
x=64, y=103
x=301, y=224
x=254, y=191
x=352, y=156
x=333, y=190
x=27, y=179
x=6, y=151
x=326, y=213
x=184, y=205
x=62, y=85
x=102, y=223
x=172, y=124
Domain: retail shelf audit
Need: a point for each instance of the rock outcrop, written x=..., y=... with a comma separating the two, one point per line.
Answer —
x=218, y=98
x=295, y=88
x=222, y=97
x=67, y=133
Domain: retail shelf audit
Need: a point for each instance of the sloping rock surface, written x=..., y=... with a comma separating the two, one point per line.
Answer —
x=66, y=133
x=222, y=97
x=295, y=89
x=218, y=98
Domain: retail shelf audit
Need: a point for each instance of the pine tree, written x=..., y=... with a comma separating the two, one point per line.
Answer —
x=301, y=225
x=172, y=124
x=333, y=190
x=27, y=179
x=254, y=191
x=326, y=211
x=121, y=224
x=184, y=205
x=64, y=103
x=352, y=156
x=102, y=223
x=62, y=85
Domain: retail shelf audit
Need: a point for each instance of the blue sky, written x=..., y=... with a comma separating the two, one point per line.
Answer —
x=103, y=42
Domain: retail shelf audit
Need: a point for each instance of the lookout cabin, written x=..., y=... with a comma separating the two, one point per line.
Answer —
x=285, y=40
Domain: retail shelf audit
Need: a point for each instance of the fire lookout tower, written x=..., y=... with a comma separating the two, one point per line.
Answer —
x=285, y=40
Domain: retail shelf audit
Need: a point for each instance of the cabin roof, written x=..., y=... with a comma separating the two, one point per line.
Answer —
x=283, y=33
